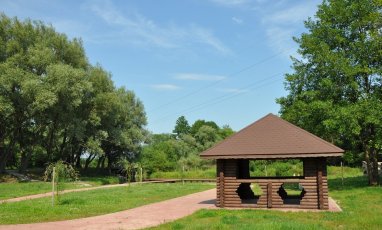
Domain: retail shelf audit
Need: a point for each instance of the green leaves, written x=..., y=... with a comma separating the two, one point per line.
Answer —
x=335, y=90
x=52, y=100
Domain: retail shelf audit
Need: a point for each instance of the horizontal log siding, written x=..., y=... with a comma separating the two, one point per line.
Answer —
x=309, y=181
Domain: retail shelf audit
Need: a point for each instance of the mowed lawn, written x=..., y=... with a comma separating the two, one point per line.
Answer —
x=13, y=188
x=95, y=202
x=361, y=204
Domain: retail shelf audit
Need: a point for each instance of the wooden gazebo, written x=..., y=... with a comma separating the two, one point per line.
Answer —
x=271, y=138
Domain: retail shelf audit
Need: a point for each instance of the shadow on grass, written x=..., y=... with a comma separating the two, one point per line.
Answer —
x=71, y=201
x=348, y=183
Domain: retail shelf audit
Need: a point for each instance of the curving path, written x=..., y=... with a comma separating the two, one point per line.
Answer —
x=136, y=218
x=47, y=194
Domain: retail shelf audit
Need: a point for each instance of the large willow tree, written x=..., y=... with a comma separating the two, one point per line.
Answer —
x=335, y=89
x=54, y=105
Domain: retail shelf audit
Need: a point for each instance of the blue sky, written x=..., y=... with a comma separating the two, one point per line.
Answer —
x=220, y=60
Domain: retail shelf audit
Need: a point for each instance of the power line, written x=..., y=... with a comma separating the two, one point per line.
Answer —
x=217, y=82
x=220, y=99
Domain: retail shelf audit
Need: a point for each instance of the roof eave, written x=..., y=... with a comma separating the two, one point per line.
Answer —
x=279, y=156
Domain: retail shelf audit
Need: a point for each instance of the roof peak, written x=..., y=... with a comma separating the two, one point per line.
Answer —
x=272, y=137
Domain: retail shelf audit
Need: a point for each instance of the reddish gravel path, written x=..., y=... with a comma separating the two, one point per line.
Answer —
x=136, y=218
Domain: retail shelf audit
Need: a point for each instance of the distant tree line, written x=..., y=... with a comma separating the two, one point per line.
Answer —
x=180, y=149
x=55, y=105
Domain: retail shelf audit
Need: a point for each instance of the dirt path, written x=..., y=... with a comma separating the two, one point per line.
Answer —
x=47, y=194
x=136, y=218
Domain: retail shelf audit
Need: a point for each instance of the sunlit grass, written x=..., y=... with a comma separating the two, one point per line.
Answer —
x=95, y=202
x=361, y=204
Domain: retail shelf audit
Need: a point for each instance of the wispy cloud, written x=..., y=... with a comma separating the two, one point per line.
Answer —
x=233, y=90
x=292, y=15
x=283, y=21
x=199, y=77
x=237, y=20
x=137, y=29
x=165, y=87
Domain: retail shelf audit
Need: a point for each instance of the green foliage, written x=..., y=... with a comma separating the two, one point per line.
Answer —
x=166, y=153
x=64, y=172
x=60, y=172
x=54, y=105
x=182, y=127
x=335, y=90
x=209, y=173
x=276, y=168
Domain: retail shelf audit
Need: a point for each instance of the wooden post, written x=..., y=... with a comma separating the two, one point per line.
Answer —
x=221, y=189
x=342, y=174
x=269, y=195
x=141, y=174
x=183, y=174
x=320, y=190
x=53, y=176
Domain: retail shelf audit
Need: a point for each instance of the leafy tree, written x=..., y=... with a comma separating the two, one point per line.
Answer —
x=63, y=172
x=181, y=127
x=199, y=123
x=207, y=137
x=55, y=106
x=335, y=89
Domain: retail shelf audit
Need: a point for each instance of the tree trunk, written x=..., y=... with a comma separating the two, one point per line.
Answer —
x=25, y=158
x=89, y=160
x=8, y=152
x=78, y=159
x=62, y=147
x=374, y=166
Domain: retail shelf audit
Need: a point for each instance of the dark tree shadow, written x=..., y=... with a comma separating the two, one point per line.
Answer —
x=348, y=183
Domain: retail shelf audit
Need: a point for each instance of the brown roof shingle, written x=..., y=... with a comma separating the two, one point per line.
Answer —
x=272, y=137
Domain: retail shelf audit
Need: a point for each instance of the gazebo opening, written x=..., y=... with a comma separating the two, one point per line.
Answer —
x=249, y=193
x=291, y=192
x=276, y=167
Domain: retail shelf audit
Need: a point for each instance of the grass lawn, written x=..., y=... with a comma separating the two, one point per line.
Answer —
x=362, y=209
x=11, y=188
x=95, y=202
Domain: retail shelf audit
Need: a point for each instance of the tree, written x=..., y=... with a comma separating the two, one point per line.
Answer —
x=55, y=106
x=199, y=123
x=182, y=127
x=335, y=90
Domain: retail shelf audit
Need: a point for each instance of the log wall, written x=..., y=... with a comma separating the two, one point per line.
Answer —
x=314, y=183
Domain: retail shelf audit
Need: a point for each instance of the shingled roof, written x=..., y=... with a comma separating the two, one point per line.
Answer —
x=272, y=137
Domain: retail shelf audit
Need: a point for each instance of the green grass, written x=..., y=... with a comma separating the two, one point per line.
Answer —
x=12, y=188
x=361, y=204
x=95, y=202
x=209, y=173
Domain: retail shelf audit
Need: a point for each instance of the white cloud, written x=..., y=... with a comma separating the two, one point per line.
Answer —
x=199, y=77
x=165, y=87
x=292, y=15
x=137, y=29
x=282, y=22
x=237, y=20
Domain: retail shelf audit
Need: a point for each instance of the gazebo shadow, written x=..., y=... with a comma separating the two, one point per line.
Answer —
x=211, y=201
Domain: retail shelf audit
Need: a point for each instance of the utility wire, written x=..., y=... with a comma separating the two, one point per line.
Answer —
x=219, y=99
x=217, y=82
